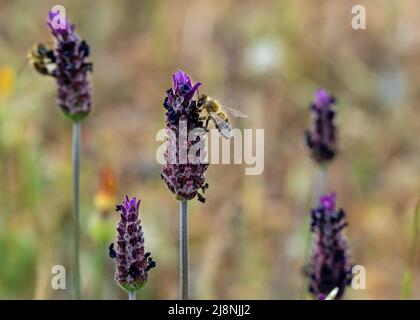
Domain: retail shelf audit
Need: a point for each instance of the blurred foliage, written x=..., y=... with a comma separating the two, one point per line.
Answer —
x=264, y=57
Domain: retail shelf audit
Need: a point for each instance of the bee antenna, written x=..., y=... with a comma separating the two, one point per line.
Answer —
x=22, y=67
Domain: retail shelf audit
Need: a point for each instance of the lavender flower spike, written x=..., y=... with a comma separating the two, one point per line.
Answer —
x=183, y=178
x=71, y=71
x=330, y=267
x=322, y=140
x=132, y=263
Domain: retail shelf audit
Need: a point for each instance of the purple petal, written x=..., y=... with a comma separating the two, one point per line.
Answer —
x=180, y=78
x=181, y=82
x=328, y=202
x=322, y=99
x=191, y=93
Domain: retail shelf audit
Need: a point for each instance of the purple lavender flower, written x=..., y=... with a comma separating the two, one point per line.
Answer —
x=71, y=71
x=322, y=140
x=183, y=178
x=132, y=263
x=330, y=266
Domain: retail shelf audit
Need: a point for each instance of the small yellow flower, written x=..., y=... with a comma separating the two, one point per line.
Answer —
x=7, y=79
x=105, y=196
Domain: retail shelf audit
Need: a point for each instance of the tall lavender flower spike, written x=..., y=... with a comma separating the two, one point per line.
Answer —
x=67, y=64
x=185, y=180
x=71, y=71
x=322, y=140
x=132, y=263
x=322, y=144
x=330, y=266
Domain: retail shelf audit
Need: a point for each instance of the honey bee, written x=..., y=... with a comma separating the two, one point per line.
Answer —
x=213, y=110
x=42, y=58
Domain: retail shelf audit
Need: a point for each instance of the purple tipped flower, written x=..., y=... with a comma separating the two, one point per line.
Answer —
x=182, y=85
x=71, y=71
x=132, y=263
x=182, y=176
x=330, y=266
x=322, y=140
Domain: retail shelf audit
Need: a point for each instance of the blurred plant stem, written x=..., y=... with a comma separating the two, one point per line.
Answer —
x=76, y=182
x=131, y=295
x=320, y=187
x=183, y=249
x=411, y=262
x=3, y=110
x=318, y=191
x=100, y=270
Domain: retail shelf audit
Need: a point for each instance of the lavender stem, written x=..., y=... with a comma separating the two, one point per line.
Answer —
x=76, y=182
x=321, y=183
x=183, y=246
x=132, y=295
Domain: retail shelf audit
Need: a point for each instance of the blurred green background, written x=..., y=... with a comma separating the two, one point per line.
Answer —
x=264, y=57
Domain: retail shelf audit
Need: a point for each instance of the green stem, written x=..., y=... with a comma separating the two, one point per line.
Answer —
x=319, y=191
x=408, y=279
x=132, y=295
x=320, y=188
x=183, y=247
x=76, y=203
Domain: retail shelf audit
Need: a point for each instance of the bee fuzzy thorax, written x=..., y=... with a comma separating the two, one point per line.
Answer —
x=212, y=105
x=211, y=109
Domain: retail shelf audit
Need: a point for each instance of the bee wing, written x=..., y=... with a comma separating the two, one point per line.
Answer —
x=216, y=118
x=234, y=112
x=24, y=63
x=223, y=126
x=47, y=44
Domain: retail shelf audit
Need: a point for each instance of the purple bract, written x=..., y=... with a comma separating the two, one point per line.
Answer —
x=322, y=139
x=71, y=71
x=330, y=266
x=132, y=263
x=183, y=178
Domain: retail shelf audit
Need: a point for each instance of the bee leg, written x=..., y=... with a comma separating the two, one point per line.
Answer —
x=207, y=124
x=202, y=118
x=201, y=198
